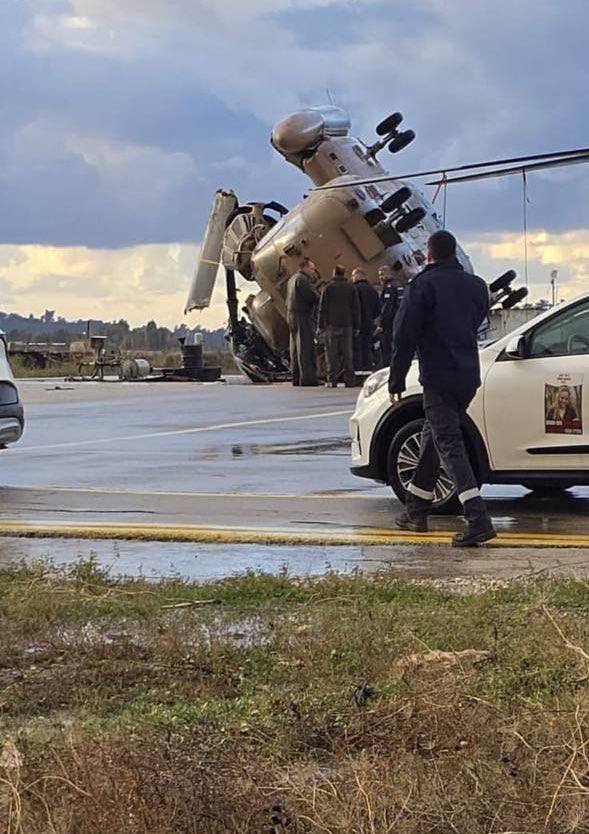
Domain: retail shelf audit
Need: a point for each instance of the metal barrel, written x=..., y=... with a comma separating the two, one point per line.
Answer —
x=132, y=369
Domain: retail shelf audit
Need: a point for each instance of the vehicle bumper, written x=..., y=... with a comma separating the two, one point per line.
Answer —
x=362, y=424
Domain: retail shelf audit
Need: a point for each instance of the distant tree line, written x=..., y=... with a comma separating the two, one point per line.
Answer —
x=52, y=328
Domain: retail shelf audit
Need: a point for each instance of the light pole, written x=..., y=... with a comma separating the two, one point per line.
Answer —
x=553, y=277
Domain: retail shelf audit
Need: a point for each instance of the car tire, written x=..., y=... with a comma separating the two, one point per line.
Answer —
x=405, y=445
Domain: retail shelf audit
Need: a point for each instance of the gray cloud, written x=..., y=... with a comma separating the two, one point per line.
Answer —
x=125, y=116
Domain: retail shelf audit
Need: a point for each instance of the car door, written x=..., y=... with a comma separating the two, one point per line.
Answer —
x=536, y=405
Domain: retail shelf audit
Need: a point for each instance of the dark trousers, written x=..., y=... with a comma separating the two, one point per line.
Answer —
x=442, y=440
x=303, y=358
x=339, y=354
x=363, y=351
x=386, y=346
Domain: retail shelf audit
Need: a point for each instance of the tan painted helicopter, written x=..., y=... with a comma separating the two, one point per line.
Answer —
x=358, y=215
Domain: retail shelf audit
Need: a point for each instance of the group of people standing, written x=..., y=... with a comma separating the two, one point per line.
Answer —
x=351, y=316
x=438, y=321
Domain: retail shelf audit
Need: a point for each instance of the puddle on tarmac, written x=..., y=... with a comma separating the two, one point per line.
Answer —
x=339, y=445
x=154, y=560
x=331, y=445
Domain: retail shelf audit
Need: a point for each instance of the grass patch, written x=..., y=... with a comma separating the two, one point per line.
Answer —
x=22, y=370
x=264, y=703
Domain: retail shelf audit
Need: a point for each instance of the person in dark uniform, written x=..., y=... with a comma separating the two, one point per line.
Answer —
x=301, y=304
x=369, y=312
x=440, y=314
x=390, y=299
x=339, y=318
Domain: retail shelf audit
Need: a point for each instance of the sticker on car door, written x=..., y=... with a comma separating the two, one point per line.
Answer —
x=563, y=405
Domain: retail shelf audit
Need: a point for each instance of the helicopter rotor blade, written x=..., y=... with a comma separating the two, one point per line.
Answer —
x=554, y=156
x=205, y=275
x=518, y=169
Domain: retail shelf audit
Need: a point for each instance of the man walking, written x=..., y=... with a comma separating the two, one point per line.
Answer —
x=390, y=299
x=369, y=312
x=301, y=302
x=339, y=318
x=439, y=316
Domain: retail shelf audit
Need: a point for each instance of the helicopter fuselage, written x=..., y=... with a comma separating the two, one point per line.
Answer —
x=341, y=226
x=364, y=226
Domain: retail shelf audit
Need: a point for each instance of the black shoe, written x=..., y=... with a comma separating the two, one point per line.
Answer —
x=416, y=522
x=477, y=532
x=479, y=527
x=415, y=516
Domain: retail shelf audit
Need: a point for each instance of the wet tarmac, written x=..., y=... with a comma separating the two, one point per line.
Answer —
x=225, y=456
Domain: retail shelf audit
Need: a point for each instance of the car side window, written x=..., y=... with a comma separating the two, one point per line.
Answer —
x=564, y=334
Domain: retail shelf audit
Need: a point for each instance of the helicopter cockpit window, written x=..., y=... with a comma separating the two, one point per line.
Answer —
x=566, y=334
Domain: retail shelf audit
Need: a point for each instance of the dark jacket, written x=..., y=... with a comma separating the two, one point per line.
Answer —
x=339, y=305
x=440, y=314
x=301, y=299
x=390, y=298
x=369, y=305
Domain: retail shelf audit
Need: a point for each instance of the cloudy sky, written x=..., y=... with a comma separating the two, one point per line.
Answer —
x=120, y=118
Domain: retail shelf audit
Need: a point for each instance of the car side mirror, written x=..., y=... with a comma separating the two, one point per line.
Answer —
x=516, y=347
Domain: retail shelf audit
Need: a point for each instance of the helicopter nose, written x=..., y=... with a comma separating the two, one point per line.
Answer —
x=298, y=132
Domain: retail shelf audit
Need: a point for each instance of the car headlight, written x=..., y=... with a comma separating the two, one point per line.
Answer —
x=374, y=382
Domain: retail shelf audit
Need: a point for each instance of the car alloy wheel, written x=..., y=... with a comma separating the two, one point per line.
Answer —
x=407, y=459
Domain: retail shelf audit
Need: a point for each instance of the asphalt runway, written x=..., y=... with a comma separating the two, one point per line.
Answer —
x=232, y=463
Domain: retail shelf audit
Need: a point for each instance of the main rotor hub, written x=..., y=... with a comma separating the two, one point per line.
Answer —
x=245, y=228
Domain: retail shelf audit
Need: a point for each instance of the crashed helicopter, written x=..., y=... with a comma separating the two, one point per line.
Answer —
x=357, y=214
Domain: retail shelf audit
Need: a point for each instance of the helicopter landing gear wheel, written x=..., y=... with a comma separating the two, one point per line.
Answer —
x=396, y=200
x=515, y=297
x=409, y=220
x=401, y=141
x=389, y=125
x=503, y=281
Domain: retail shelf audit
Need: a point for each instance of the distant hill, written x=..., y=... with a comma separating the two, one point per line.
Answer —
x=52, y=328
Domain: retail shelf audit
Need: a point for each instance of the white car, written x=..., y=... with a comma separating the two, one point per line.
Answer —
x=528, y=424
x=11, y=410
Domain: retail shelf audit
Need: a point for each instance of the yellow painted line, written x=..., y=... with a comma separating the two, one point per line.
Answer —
x=207, y=534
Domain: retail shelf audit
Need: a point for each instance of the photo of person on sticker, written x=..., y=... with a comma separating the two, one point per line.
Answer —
x=563, y=405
